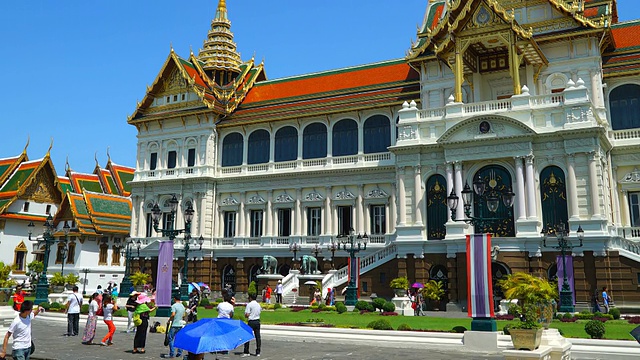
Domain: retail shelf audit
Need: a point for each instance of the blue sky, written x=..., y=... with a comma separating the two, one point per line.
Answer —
x=74, y=69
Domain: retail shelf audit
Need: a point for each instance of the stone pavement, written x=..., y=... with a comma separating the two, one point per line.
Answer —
x=51, y=344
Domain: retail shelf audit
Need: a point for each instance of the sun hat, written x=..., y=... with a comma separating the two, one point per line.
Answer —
x=143, y=298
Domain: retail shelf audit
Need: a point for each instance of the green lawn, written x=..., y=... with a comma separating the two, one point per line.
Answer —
x=616, y=329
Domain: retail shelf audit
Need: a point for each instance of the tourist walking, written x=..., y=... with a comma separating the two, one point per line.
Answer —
x=92, y=320
x=268, y=294
x=131, y=309
x=142, y=320
x=20, y=329
x=18, y=298
x=72, y=308
x=252, y=313
x=606, y=300
x=279, y=291
x=177, y=313
x=194, y=301
x=107, y=317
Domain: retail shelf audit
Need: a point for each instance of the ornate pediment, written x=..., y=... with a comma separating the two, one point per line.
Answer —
x=376, y=194
x=344, y=195
x=42, y=189
x=313, y=196
x=485, y=127
x=256, y=199
x=284, y=198
x=632, y=177
x=229, y=201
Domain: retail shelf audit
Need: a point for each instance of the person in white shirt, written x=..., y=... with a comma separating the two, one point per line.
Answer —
x=279, y=291
x=252, y=313
x=20, y=329
x=225, y=308
x=107, y=317
x=74, y=302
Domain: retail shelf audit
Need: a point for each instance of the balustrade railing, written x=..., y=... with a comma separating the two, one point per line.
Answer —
x=625, y=134
x=487, y=106
x=377, y=157
x=629, y=232
x=314, y=162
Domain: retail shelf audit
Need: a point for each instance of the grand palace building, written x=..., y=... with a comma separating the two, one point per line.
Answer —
x=539, y=98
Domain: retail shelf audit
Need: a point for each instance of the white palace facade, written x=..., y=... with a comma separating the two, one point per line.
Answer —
x=538, y=97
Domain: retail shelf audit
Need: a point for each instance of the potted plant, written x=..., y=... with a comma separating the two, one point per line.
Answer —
x=535, y=307
x=433, y=291
x=57, y=282
x=400, y=285
x=139, y=279
x=71, y=280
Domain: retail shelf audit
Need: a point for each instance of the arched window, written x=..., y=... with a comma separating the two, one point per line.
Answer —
x=437, y=209
x=377, y=134
x=253, y=273
x=20, y=257
x=440, y=273
x=286, y=144
x=284, y=269
x=71, y=251
x=103, y=253
x=345, y=138
x=498, y=180
x=314, y=141
x=624, y=103
x=553, y=193
x=115, y=255
x=232, y=150
x=229, y=277
x=498, y=272
x=552, y=272
x=258, y=147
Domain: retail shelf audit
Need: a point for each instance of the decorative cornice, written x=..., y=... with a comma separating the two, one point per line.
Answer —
x=632, y=177
x=230, y=201
x=313, y=196
x=284, y=198
x=256, y=199
x=344, y=195
x=376, y=194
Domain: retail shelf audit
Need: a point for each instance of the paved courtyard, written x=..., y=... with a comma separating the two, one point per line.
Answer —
x=51, y=344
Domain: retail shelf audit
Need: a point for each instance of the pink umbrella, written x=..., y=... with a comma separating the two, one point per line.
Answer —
x=417, y=285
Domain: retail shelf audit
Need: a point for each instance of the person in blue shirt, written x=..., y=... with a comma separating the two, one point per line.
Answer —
x=606, y=299
x=177, y=313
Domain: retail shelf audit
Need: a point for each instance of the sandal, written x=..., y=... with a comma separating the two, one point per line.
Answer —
x=135, y=351
x=141, y=351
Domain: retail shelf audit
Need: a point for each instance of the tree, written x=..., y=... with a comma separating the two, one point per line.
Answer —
x=35, y=269
x=5, y=281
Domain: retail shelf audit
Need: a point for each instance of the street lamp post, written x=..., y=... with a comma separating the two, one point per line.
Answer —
x=126, y=284
x=42, y=288
x=171, y=233
x=353, y=244
x=333, y=247
x=84, y=284
x=492, y=198
x=294, y=248
x=64, y=250
x=561, y=234
x=184, y=286
x=315, y=250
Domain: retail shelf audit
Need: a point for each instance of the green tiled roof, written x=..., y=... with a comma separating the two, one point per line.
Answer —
x=80, y=206
x=18, y=178
x=4, y=168
x=111, y=184
x=92, y=186
x=4, y=202
x=105, y=206
x=66, y=188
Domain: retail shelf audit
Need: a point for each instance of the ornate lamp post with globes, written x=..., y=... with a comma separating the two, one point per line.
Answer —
x=487, y=193
x=64, y=249
x=561, y=234
x=353, y=244
x=333, y=247
x=294, y=248
x=42, y=288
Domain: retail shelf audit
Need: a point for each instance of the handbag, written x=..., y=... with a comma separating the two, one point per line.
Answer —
x=33, y=348
x=166, y=333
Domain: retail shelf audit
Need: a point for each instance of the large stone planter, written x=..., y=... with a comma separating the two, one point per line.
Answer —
x=400, y=292
x=526, y=339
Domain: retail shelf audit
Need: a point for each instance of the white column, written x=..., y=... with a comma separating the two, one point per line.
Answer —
x=417, y=196
x=531, y=189
x=367, y=218
x=520, y=198
x=329, y=140
x=269, y=214
x=593, y=185
x=393, y=214
x=458, y=179
x=360, y=209
x=572, y=190
x=327, y=210
x=360, y=136
x=300, y=138
x=297, y=228
x=142, y=218
x=626, y=219
x=617, y=218
x=450, y=183
x=240, y=217
x=402, y=203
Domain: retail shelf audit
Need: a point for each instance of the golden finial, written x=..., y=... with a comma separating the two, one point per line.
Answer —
x=95, y=157
x=27, y=145
x=138, y=103
x=171, y=46
x=50, y=146
x=67, y=168
x=191, y=50
x=108, y=155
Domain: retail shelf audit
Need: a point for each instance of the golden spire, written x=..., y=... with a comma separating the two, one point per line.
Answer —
x=219, y=53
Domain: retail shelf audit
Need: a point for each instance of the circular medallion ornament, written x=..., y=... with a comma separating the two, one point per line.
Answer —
x=483, y=16
x=484, y=127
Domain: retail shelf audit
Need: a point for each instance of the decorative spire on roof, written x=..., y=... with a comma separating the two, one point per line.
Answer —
x=219, y=54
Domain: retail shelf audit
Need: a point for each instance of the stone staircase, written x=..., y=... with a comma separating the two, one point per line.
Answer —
x=338, y=277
